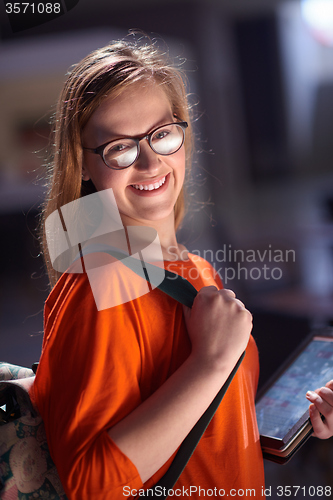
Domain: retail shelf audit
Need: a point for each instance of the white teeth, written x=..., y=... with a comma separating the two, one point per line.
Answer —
x=149, y=187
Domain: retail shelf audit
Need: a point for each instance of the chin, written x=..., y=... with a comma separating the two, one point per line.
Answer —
x=153, y=216
x=156, y=218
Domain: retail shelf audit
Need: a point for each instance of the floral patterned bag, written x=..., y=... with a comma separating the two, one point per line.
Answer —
x=27, y=471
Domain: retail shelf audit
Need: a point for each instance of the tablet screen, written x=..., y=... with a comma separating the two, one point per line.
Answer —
x=284, y=403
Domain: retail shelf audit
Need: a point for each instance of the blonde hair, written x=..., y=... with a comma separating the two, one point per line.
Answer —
x=104, y=72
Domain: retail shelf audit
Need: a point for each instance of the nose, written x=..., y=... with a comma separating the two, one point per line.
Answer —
x=148, y=160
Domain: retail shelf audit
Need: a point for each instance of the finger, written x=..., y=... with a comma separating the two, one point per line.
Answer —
x=326, y=394
x=227, y=291
x=330, y=385
x=208, y=289
x=319, y=427
x=230, y=294
x=321, y=401
x=240, y=303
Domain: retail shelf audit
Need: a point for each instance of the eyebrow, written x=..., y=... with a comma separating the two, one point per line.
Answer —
x=115, y=137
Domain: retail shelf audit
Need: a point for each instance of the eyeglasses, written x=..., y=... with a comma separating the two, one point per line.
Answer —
x=122, y=153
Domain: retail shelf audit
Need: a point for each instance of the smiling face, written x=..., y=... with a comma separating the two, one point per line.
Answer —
x=147, y=191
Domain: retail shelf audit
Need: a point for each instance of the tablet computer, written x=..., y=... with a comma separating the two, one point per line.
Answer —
x=281, y=406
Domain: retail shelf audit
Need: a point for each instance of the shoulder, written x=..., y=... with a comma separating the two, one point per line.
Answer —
x=81, y=304
x=66, y=284
x=100, y=287
x=196, y=270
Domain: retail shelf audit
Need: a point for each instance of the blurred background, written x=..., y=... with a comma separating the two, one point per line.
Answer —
x=260, y=76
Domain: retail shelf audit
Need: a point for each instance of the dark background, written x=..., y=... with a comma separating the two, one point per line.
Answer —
x=262, y=91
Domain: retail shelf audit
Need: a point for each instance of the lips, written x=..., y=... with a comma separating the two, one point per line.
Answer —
x=150, y=187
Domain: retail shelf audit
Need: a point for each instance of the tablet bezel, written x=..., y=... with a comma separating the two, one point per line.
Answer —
x=284, y=448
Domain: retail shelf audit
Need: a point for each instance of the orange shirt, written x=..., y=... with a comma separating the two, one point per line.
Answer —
x=97, y=366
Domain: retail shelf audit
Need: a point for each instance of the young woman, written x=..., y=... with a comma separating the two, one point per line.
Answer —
x=120, y=388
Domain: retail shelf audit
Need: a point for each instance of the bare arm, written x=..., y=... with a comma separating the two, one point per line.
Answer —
x=219, y=327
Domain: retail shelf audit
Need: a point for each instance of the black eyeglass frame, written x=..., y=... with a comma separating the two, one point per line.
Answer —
x=100, y=149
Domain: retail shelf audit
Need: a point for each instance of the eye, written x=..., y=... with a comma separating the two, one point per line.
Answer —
x=161, y=134
x=115, y=148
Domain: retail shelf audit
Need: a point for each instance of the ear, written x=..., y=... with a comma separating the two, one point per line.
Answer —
x=85, y=173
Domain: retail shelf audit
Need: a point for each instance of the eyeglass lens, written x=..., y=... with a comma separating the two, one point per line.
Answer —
x=165, y=141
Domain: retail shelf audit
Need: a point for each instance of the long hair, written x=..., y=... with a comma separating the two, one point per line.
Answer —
x=104, y=72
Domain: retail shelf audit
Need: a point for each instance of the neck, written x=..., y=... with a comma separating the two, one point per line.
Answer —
x=167, y=236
